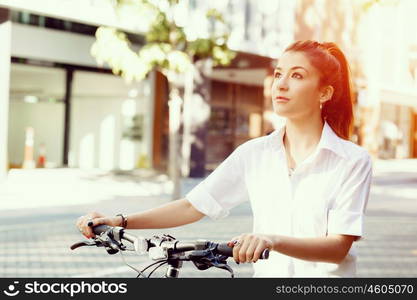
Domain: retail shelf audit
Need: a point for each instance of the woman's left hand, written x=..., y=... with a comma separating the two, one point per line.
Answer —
x=248, y=247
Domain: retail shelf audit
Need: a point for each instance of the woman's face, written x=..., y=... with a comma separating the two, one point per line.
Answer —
x=295, y=89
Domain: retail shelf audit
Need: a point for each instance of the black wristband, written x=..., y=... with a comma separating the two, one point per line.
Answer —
x=124, y=220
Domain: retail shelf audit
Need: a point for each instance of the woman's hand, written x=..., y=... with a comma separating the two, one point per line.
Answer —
x=249, y=247
x=87, y=222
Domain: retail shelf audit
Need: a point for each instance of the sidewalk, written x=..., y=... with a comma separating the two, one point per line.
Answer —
x=25, y=189
x=38, y=188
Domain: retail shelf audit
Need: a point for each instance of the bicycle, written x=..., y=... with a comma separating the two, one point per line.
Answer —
x=164, y=250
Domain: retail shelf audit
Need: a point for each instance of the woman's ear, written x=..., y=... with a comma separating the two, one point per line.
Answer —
x=326, y=94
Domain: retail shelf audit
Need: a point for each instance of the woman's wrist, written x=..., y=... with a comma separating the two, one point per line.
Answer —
x=116, y=221
x=276, y=242
x=122, y=220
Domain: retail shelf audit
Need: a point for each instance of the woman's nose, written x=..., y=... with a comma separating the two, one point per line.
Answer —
x=282, y=84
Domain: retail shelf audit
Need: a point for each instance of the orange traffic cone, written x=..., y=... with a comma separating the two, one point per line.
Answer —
x=42, y=156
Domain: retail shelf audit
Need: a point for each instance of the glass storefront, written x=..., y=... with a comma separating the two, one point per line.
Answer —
x=36, y=101
x=110, y=121
x=236, y=116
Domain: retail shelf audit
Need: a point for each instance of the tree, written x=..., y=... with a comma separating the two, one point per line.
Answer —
x=172, y=49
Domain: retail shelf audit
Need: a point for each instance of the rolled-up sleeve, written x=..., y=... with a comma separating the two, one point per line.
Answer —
x=223, y=189
x=346, y=216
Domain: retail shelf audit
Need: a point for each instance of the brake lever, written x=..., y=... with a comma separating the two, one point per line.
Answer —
x=109, y=243
x=205, y=259
x=83, y=243
x=224, y=266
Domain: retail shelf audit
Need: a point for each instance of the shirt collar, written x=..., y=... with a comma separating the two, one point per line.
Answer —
x=328, y=140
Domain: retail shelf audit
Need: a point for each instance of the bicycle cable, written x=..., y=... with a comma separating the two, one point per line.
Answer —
x=157, y=267
x=140, y=273
x=147, y=267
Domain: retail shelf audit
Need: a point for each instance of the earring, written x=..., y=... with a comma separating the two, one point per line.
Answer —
x=321, y=106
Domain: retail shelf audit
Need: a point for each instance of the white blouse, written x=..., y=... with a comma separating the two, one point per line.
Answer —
x=326, y=194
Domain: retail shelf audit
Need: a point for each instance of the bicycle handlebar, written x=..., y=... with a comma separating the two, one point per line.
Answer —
x=99, y=229
x=165, y=250
x=143, y=245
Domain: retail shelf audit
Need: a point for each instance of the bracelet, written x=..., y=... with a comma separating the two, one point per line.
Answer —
x=124, y=220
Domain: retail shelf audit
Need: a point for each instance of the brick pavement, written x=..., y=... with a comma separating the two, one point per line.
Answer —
x=35, y=241
x=42, y=249
x=389, y=249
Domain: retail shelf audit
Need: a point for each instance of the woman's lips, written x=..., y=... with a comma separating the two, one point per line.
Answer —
x=282, y=99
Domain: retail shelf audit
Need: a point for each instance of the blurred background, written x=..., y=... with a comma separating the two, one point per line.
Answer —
x=119, y=106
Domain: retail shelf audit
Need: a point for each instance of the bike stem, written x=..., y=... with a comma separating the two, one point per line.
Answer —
x=174, y=266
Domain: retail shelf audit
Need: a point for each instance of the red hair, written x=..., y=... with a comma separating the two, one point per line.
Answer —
x=330, y=61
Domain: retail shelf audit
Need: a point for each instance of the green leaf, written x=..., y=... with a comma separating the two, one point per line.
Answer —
x=166, y=45
x=215, y=14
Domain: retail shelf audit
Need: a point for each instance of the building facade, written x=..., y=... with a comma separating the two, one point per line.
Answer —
x=84, y=116
x=98, y=120
x=81, y=114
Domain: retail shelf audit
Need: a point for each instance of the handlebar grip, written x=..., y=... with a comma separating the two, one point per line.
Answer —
x=101, y=228
x=224, y=249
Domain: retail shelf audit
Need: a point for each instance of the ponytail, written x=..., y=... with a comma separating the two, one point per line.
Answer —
x=334, y=68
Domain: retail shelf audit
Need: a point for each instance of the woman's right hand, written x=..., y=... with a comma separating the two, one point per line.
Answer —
x=92, y=219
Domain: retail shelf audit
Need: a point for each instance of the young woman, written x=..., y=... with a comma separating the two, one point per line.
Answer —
x=308, y=185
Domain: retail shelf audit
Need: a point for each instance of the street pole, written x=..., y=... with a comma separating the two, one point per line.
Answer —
x=174, y=105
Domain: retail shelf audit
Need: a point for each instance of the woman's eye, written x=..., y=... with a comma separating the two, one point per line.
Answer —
x=294, y=75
